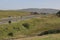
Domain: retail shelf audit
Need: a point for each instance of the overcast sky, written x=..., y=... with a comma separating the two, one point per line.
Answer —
x=21, y=4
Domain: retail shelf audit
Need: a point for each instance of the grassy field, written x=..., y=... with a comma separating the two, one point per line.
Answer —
x=36, y=26
x=4, y=14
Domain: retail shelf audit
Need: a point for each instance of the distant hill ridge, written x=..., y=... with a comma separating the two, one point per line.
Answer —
x=42, y=10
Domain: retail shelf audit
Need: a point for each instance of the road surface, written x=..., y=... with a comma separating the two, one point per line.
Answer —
x=15, y=19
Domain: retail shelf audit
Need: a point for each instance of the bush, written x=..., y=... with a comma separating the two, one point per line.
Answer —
x=58, y=13
x=34, y=13
x=9, y=22
x=49, y=32
x=16, y=28
x=10, y=34
x=26, y=25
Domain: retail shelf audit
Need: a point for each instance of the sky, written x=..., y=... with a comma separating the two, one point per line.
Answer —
x=23, y=4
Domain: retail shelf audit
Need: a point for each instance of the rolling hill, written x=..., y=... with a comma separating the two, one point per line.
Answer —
x=42, y=10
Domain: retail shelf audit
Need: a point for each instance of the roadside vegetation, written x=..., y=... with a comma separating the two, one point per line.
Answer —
x=30, y=27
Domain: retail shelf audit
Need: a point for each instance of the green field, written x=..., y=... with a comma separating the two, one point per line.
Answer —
x=36, y=25
x=4, y=14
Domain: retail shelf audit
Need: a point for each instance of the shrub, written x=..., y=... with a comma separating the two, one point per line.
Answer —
x=10, y=34
x=16, y=28
x=26, y=25
x=9, y=22
x=34, y=13
x=49, y=32
x=58, y=13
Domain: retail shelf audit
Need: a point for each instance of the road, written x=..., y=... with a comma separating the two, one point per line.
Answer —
x=15, y=19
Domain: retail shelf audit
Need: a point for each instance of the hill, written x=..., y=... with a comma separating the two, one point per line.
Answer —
x=42, y=10
x=25, y=12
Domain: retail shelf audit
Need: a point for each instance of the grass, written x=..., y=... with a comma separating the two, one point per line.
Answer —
x=47, y=37
x=4, y=14
x=36, y=26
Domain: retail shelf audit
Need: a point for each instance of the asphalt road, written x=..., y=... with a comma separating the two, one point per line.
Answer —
x=15, y=19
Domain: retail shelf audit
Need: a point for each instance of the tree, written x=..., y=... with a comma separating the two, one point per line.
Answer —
x=34, y=13
x=58, y=13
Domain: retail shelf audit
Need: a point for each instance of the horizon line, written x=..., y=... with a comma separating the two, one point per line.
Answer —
x=30, y=8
